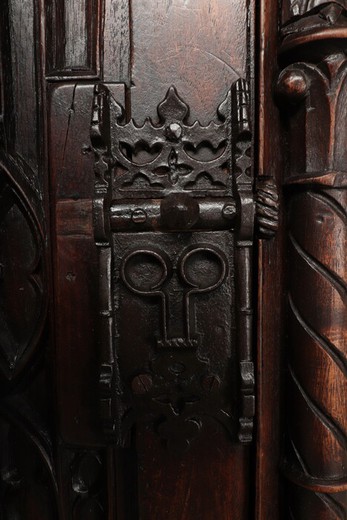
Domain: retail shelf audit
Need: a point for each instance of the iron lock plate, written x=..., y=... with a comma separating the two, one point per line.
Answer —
x=174, y=214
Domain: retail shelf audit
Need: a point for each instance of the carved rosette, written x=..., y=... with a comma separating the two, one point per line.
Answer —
x=312, y=94
x=168, y=359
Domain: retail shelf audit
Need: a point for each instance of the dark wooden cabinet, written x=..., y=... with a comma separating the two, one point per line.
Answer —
x=173, y=260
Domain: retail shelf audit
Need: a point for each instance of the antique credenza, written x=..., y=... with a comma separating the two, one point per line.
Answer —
x=173, y=267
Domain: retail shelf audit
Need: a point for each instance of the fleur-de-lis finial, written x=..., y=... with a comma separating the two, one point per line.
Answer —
x=172, y=108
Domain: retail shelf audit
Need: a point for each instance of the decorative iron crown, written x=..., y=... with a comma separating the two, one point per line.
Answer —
x=154, y=160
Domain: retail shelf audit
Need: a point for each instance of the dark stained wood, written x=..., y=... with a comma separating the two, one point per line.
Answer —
x=75, y=264
x=270, y=279
x=117, y=41
x=83, y=483
x=158, y=491
x=181, y=141
x=71, y=181
x=192, y=46
x=27, y=452
x=312, y=94
x=22, y=53
x=73, y=36
x=23, y=278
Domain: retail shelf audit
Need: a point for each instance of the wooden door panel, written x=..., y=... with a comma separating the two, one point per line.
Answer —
x=142, y=147
x=145, y=464
x=194, y=45
x=76, y=265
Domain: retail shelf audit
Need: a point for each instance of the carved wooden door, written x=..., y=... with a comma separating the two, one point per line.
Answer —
x=172, y=260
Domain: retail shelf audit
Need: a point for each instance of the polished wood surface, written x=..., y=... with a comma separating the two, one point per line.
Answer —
x=115, y=118
x=270, y=309
x=311, y=92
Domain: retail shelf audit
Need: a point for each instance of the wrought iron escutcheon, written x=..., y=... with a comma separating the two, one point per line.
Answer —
x=174, y=217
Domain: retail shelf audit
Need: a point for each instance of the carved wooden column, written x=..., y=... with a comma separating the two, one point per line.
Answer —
x=312, y=91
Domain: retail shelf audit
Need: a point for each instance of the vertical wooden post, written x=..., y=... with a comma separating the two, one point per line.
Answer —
x=270, y=272
x=312, y=90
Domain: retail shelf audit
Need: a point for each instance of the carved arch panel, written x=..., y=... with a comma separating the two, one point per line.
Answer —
x=23, y=278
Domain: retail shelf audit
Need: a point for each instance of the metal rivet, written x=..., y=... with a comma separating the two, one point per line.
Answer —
x=174, y=131
x=139, y=216
x=229, y=211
